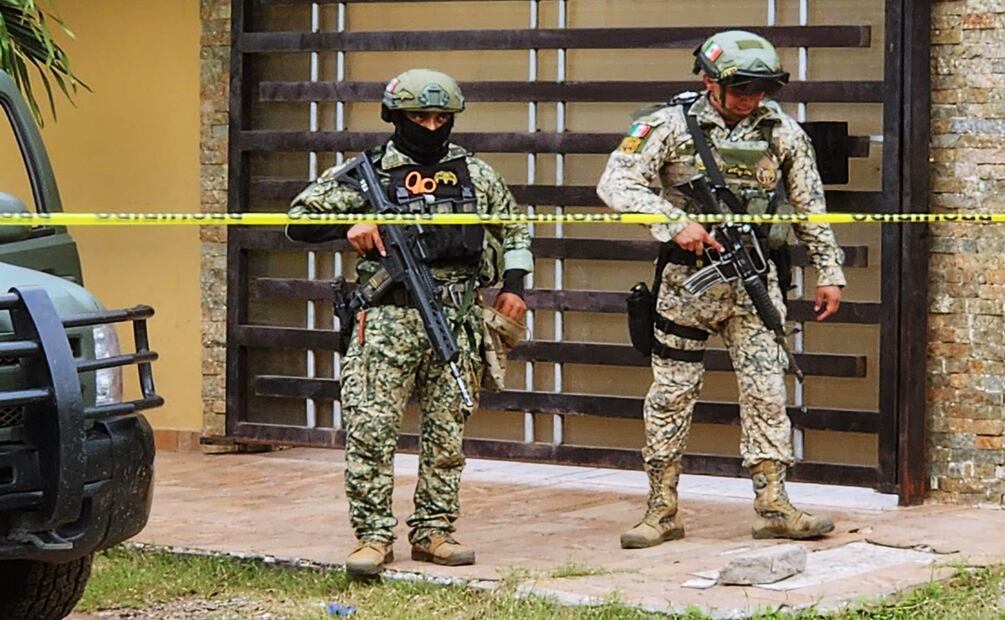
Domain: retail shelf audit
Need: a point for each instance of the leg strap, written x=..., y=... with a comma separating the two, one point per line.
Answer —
x=667, y=326
x=681, y=355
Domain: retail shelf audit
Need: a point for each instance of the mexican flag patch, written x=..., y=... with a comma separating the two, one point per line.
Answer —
x=712, y=51
x=639, y=130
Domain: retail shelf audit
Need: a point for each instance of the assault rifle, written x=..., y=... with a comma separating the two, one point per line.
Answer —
x=405, y=264
x=741, y=259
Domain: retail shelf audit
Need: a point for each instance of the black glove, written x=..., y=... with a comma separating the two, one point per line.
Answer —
x=513, y=282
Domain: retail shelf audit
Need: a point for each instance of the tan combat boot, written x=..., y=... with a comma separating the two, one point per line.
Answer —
x=369, y=558
x=660, y=523
x=776, y=517
x=441, y=548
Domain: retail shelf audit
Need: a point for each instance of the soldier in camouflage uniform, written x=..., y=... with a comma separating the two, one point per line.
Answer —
x=390, y=357
x=765, y=159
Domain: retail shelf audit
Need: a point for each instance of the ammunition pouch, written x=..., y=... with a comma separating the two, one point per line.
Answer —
x=453, y=245
x=442, y=188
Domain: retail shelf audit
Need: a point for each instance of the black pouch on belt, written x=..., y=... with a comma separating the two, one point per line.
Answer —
x=641, y=317
x=642, y=304
x=343, y=294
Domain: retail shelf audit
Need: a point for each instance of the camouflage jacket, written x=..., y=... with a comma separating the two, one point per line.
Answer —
x=505, y=247
x=659, y=144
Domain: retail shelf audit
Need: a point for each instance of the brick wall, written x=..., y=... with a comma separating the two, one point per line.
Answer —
x=215, y=61
x=966, y=367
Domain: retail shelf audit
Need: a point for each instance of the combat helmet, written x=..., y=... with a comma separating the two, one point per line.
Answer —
x=421, y=89
x=741, y=60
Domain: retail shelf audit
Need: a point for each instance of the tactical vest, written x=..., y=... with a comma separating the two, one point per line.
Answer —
x=753, y=173
x=445, y=187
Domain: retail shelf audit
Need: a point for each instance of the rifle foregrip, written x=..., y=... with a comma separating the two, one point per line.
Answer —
x=758, y=293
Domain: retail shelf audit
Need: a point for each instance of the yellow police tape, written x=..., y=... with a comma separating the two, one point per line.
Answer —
x=280, y=219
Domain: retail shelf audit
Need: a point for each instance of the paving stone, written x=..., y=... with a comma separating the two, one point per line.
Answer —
x=764, y=565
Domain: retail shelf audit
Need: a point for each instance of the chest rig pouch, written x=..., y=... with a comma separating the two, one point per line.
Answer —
x=441, y=188
x=757, y=182
x=755, y=186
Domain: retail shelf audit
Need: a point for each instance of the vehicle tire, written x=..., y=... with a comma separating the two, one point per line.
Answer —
x=31, y=590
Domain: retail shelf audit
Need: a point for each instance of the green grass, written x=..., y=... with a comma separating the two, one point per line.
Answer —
x=574, y=569
x=126, y=578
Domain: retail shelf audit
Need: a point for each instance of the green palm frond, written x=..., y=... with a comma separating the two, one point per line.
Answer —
x=26, y=41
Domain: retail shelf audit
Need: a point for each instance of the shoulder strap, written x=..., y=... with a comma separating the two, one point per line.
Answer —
x=711, y=167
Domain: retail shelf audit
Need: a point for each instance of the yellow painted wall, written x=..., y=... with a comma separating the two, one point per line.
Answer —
x=133, y=145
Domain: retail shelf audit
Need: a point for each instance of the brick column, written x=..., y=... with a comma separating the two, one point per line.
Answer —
x=966, y=359
x=215, y=61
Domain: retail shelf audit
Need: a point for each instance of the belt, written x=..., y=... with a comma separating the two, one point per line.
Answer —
x=451, y=294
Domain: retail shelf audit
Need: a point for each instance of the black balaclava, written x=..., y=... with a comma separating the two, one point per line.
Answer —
x=424, y=146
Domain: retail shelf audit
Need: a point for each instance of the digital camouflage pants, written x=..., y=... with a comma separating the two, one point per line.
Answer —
x=379, y=374
x=760, y=364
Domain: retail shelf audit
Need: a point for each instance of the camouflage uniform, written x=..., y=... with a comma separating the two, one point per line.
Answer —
x=393, y=359
x=659, y=144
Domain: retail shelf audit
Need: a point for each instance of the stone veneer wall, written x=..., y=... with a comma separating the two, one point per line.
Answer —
x=215, y=78
x=966, y=345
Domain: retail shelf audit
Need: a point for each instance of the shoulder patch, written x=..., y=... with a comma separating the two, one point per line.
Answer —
x=637, y=135
x=630, y=145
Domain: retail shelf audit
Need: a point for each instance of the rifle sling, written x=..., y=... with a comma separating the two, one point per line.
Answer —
x=711, y=166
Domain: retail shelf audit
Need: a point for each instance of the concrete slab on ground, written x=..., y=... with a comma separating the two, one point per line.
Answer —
x=562, y=523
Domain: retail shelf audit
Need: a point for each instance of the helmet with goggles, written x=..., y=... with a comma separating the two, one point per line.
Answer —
x=422, y=90
x=742, y=61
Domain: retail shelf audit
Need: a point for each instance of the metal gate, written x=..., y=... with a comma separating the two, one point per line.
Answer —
x=550, y=84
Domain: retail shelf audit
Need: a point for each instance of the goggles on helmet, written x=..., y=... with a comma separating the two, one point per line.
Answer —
x=750, y=83
x=754, y=86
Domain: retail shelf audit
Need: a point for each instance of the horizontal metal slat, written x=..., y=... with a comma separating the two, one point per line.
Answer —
x=614, y=302
x=543, y=38
x=570, y=248
x=483, y=142
x=585, y=248
x=109, y=316
x=9, y=301
x=705, y=412
x=20, y=348
x=285, y=337
x=117, y=360
x=294, y=2
x=567, y=300
x=568, y=352
x=101, y=412
x=622, y=91
x=619, y=458
x=15, y=398
x=276, y=386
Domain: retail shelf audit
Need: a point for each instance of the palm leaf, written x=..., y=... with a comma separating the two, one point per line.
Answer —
x=25, y=39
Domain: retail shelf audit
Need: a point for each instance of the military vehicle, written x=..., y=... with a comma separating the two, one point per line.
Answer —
x=76, y=460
